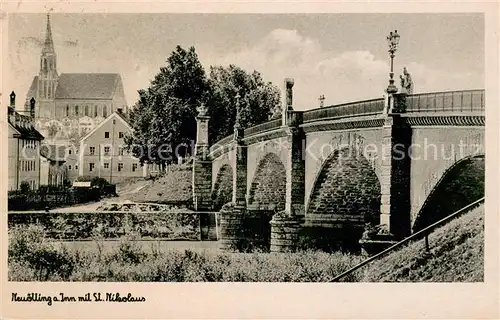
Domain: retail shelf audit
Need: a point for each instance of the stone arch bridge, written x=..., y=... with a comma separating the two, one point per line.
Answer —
x=401, y=163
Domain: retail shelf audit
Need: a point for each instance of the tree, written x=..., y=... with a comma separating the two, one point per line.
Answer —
x=164, y=117
x=232, y=88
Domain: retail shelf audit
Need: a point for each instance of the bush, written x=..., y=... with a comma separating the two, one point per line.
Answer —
x=130, y=262
x=28, y=251
x=172, y=224
x=25, y=187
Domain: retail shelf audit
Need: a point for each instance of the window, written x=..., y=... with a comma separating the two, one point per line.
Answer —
x=134, y=167
x=95, y=110
x=76, y=110
x=120, y=166
x=92, y=150
x=86, y=110
x=106, y=151
x=69, y=167
x=106, y=134
x=91, y=166
x=106, y=165
x=105, y=111
x=69, y=151
x=120, y=151
x=67, y=110
x=76, y=167
x=120, y=135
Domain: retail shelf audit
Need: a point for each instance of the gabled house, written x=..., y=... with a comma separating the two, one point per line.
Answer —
x=23, y=147
x=102, y=151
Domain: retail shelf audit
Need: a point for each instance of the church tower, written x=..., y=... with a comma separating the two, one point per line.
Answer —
x=47, y=78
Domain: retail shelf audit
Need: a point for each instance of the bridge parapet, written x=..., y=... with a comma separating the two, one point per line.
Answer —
x=261, y=128
x=359, y=108
x=450, y=101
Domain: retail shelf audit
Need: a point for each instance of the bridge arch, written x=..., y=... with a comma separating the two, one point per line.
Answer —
x=431, y=172
x=346, y=195
x=268, y=184
x=222, y=191
x=461, y=184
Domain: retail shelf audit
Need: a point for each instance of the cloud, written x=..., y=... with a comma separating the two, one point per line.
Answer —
x=340, y=76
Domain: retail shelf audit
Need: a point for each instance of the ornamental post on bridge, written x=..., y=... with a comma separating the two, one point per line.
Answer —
x=395, y=204
x=395, y=172
x=202, y=164
x=232, y=218
x=286, y=224
x=239, y=161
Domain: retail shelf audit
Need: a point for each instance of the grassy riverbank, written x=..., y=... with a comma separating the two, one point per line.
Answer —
x=456, y=255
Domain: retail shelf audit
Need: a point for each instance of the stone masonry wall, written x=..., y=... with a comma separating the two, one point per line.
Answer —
x=223, y=188
x=202, y=184
x=347, y=189
x=269, y=183
x=345, y=197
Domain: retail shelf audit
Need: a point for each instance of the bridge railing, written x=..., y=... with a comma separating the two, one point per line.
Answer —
x=359, y=108
x=424, y=233
x=221, y=143
x=451, y=101
x=225, y=140
x=266, y=126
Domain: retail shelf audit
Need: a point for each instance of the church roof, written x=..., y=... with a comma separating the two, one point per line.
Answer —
x=93, y=86
x=32, y=92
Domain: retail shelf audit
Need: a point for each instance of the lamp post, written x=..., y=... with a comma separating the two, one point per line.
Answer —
x=392, y=40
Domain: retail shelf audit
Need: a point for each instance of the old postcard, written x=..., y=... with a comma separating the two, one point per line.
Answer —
x=250, y=160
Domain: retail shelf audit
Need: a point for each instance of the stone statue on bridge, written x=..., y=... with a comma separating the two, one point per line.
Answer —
x=406, y=82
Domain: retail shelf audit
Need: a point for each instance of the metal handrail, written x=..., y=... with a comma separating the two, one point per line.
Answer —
x=423, y=232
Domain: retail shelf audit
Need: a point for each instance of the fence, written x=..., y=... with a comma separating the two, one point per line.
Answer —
x=424, y=233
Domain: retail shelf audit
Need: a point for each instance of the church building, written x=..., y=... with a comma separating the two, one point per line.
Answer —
x=70, y=105
x=68, y=109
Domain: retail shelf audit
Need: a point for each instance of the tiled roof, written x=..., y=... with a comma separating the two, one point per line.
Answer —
x=24, y=125
x=87, y=85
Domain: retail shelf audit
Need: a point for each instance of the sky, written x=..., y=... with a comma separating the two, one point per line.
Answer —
x=341, y=56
